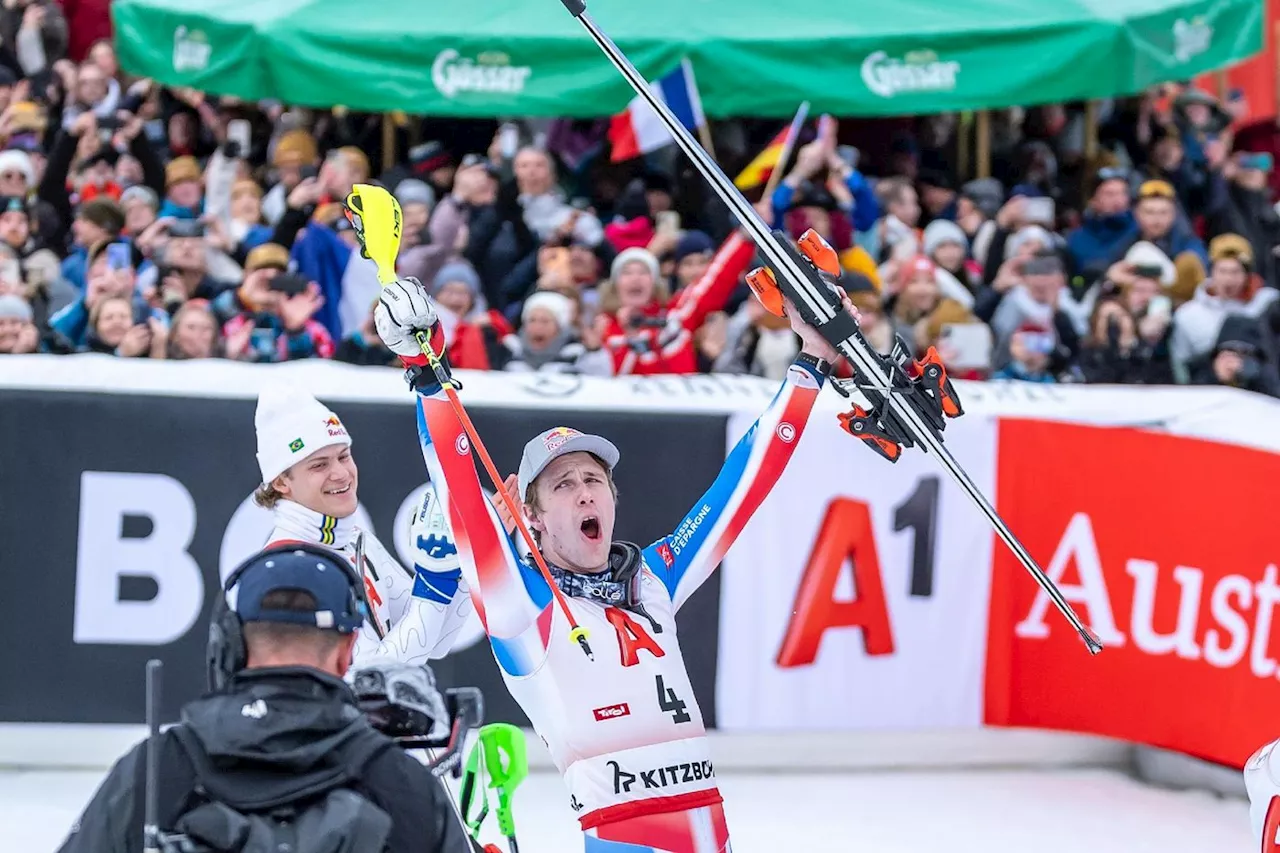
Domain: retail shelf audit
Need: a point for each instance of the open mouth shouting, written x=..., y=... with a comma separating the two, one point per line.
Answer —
x=591, y=528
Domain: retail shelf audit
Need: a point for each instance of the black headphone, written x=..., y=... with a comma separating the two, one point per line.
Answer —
x=225, y=653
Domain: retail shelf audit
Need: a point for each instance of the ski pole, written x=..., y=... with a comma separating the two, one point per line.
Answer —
x=799, y=278
x=152, y=841
x=375, y=216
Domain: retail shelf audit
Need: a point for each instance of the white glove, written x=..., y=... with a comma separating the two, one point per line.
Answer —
x=404, y=309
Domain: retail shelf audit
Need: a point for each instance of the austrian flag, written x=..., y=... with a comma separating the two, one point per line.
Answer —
x=639, y=130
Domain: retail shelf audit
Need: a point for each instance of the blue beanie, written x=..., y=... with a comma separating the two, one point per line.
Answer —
x=693, y=243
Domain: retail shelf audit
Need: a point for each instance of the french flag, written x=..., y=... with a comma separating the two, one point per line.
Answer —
x=639, y=130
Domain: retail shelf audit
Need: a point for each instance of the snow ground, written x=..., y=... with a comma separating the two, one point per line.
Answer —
x=1060, y=811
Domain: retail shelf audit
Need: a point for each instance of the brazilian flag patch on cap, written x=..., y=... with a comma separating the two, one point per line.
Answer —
x=295, y=445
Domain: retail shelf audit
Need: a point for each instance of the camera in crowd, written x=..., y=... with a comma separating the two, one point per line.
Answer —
x=640, y=321
x=187, y=228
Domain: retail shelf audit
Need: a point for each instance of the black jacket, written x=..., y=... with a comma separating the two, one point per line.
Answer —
x=307, y=712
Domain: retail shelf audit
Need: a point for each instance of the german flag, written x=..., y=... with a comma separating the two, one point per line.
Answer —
x=759, y=169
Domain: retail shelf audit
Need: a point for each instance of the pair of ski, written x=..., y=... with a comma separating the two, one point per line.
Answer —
x=909, y=400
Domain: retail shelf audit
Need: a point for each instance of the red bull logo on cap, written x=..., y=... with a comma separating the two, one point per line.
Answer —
x=334, y=426
x=558, y=436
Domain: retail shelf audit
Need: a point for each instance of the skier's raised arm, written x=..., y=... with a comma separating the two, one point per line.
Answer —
x=688, y=556
x=511, y=598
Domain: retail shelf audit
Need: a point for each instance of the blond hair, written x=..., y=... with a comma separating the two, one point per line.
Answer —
x=610, y=303
x=266, y=496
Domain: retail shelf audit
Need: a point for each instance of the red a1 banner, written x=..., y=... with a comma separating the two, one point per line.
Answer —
x=1167, y=547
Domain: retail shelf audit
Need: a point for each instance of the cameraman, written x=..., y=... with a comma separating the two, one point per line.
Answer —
x=283, y=724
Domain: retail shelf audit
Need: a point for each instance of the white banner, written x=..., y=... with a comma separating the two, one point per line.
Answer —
x=916, y=582
x=1221, y=414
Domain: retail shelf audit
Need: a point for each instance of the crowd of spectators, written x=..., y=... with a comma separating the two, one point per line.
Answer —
x=147, y=222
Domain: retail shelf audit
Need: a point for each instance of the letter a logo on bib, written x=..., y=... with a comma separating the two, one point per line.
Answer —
x=631, y=637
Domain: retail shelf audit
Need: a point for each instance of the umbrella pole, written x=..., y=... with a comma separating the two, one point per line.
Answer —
x=964, y=127
x=1090, y=131
x=388, y=142
x=982, y=144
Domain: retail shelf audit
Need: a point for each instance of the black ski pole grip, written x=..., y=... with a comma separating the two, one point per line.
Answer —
x=575, y=7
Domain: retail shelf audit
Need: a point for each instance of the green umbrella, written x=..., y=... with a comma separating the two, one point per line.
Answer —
x=751, y=57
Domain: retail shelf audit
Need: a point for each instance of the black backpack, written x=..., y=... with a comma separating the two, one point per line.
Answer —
x=321, y=813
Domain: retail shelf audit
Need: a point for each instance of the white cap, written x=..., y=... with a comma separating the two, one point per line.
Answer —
x=291, y=425
x=556, y=442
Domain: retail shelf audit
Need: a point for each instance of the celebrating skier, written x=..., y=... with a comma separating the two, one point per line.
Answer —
x=624, y=729
x=309, y=482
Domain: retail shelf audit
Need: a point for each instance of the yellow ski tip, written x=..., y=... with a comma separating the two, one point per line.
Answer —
x=376, y=217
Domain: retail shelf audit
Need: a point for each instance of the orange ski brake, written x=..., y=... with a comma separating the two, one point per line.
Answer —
x=765, y=287
x=860, y=425
x=819, y=252
x=931, y=369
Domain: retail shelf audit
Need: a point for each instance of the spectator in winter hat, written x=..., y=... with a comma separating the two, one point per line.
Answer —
x=428, y=242
x=547, y=342
x=1232, y=289
x=141, y=206
x=1245, y=208
x=97, y=221
x=38, y=268
x=976, y=207
x=937, y=194
x=96, y=177
x=183, y=189
x=917, y=296
x=1108, y=222
x=17, y=173
x=18, y=335
x=294, y=151
x=416, y=201
x=1027, y=241
x=858, y=264
x=15, y=223
x=693, y=255
x=947, y=246
x=635, y=233
x=1033, y=294
x=1161, y=224
x=456, y=288
x=433, y=163
x=473, y=334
